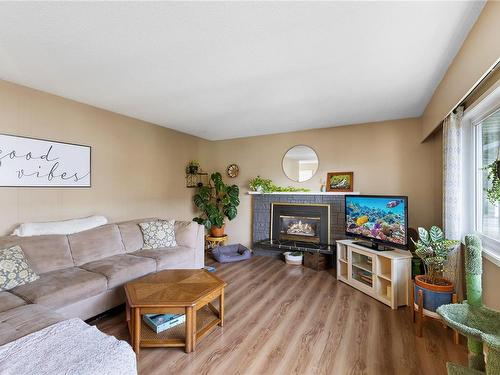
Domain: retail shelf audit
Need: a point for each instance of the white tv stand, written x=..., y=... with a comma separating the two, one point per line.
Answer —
x=383, y=275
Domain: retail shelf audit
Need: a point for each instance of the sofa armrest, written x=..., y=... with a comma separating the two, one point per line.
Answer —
x=191, y=234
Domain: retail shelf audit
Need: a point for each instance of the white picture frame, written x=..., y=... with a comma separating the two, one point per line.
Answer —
x=34, y=162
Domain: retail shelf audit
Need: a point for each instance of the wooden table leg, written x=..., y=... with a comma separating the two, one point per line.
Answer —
x=420, y=312
x=221, y=308
x=137, y=331
x=412, y=302
x=189, y=329
x=194, y=330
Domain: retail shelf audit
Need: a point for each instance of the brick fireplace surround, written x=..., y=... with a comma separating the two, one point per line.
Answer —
x=261, y=212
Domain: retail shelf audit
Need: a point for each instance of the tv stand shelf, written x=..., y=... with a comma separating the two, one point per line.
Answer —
x=383, y=275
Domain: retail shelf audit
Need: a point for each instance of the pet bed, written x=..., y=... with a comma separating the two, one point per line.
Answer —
x=231, y=253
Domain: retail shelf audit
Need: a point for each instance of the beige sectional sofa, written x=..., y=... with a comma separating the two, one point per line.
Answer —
x=82, y=275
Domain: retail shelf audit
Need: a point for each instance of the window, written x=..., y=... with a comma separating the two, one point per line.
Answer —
x=487, y=151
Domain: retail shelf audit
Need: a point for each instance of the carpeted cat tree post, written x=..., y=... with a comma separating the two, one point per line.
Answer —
x=473, y=280
x=479, y=323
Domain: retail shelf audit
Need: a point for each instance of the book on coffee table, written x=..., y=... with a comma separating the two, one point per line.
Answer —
x=162, y=322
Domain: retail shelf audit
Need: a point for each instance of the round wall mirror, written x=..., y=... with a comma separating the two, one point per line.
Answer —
x=300, y=163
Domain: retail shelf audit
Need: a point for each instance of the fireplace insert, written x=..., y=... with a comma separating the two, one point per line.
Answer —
x=300, y=222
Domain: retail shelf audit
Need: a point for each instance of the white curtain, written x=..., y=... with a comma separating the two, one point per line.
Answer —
x=452, y=194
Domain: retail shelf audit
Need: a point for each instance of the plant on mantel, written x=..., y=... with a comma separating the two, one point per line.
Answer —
x=216, y=203
x=264, y=185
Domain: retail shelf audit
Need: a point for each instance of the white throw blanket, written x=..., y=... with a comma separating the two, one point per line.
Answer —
x=59, y=227
x=71, y=347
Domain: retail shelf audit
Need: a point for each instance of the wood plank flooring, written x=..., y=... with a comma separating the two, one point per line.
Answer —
x=284, y=319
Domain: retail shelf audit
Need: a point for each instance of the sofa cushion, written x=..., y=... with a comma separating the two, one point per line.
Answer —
x=119, y=269
x=62, y=287
x=158, y=234
x=9, y=301
x=23, y=320
x=14, y=268
x=186, y=233
x=169, y=257
x=44, y=253
x=131, y=235
x=95, y=244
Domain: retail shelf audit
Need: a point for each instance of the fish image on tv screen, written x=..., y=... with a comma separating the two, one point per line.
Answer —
x=378, y=218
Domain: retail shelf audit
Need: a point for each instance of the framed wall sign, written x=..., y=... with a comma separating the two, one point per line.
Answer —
x=31, y=162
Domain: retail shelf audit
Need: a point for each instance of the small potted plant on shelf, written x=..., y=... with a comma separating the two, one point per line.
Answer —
x=293, y=257
x=216, y=203
x=193, y=167
x=433, y=249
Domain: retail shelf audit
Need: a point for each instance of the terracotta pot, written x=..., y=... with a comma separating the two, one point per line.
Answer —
x=217, y=231
x=420, y=281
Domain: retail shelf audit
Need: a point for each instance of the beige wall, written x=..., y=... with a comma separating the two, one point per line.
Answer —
x=491, y=282
x=137, y=168
x=479, y=52
x=386, y=157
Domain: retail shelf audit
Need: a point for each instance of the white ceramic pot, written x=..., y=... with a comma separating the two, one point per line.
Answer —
x=295, y=260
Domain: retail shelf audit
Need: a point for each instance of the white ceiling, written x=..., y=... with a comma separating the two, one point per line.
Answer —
x=224, y=70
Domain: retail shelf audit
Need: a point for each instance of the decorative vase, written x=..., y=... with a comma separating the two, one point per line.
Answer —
x=217, y=231
x=295, y=260
x=434, y=295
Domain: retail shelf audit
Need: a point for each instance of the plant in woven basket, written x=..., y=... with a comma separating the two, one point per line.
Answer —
x=433, y=248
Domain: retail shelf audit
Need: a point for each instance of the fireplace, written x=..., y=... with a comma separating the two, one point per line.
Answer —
x=298, y=222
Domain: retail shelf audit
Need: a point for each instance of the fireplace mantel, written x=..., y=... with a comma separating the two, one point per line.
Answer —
x=303, y=193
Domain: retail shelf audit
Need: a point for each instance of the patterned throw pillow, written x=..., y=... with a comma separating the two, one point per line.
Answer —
x=159, y=233
x=14, y=269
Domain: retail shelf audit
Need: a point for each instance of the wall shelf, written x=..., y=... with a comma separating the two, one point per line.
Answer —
x=383, y=275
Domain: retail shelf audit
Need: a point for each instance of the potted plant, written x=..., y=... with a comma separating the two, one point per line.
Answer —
x=293, y=257
x=264, y=185
x=216, y=203
x=193, y=167
x=433, y=249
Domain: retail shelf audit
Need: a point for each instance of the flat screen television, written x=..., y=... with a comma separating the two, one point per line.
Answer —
x=379, y=219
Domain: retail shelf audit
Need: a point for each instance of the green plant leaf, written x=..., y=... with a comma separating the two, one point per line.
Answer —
x=436, y=234
x=208, y=224
x=199, y=202
x=230, y=211
x=199, y=220
x=423, y=236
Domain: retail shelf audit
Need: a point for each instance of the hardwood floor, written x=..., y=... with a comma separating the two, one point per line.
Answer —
x=284, y=319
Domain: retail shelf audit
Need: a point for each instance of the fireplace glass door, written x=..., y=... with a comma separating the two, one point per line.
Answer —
x=300, y=228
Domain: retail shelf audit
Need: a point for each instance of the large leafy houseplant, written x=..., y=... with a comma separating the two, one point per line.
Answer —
x=433, y=248
x=216, y=202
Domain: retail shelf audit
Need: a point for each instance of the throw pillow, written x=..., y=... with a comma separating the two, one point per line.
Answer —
x=159, y=233
x=14, y=268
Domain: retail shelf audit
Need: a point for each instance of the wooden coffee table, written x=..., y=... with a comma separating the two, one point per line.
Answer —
x=187, y=292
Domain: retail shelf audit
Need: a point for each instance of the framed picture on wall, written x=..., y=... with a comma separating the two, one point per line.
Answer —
x=340, y=181
x=32, y=162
